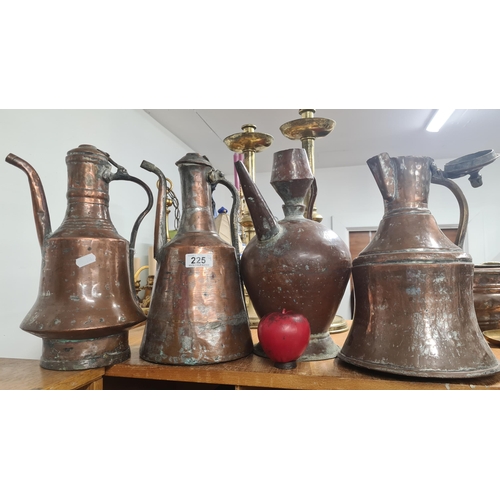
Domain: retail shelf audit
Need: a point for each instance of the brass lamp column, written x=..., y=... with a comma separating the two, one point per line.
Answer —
x=248, y=142
x=307, y=129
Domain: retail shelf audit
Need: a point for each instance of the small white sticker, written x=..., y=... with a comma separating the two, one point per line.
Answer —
x=85, y=260
x=199, y=260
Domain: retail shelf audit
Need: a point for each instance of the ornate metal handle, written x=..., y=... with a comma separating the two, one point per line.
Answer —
x=123, y=175
x=217, y=177
x=438, y=177
x=313, y=192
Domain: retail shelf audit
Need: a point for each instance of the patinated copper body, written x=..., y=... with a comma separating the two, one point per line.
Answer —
x=295, y=264
x=197, y=314
x=86, y=302
x=414, y=311
x=487, y=295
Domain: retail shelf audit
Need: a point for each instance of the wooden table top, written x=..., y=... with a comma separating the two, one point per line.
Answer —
x=256, y=371
x=252, y=371
x=25, y=374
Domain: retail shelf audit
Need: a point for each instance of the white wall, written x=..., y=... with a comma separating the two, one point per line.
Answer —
x=42, y=138
x=348, y=197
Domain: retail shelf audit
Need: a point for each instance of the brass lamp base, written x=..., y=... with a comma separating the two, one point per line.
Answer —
x=339, y=325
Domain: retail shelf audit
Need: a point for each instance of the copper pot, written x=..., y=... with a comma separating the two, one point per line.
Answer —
x=86, y=302
x=295, y=263
x=487, y=295
x=414, y=311
x=197, y=313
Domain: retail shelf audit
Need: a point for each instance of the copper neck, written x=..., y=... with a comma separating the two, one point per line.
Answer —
x=88, y=189
x=196, y=199
x=294, y=211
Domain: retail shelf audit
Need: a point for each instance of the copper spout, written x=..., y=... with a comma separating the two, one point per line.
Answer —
x=264, y=221
x=40, y=208
x=160, y=234
x=383, y=172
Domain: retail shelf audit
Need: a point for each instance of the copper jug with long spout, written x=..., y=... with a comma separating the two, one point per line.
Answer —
x=197, y=313
x=414, y=308
x=85, y=304
x=295, y=263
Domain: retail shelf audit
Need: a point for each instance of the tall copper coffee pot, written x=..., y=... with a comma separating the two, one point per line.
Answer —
x=86, y=303
x=295, y=263
x=414, y=311
x=197, y=313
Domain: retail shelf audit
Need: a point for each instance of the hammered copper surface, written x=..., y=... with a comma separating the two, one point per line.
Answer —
x=296, y=263
x=414, y=311
x=85, y=354
x=85, y=288
x=197, y=315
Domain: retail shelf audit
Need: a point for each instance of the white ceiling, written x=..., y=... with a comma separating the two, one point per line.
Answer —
x=358, y=134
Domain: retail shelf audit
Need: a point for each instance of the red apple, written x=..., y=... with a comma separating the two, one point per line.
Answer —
x=284, y=337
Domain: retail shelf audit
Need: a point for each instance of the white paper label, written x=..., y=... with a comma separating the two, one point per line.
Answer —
x=85, y=260
x=199, y=260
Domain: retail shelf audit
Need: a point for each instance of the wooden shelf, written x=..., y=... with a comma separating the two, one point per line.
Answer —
x=257, y=372
x=251, y=372
x=25, y=374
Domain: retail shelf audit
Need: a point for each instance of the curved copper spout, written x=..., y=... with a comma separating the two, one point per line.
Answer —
x=40, y=208
x=383, y=172
x=264, y=222
x=160, y=234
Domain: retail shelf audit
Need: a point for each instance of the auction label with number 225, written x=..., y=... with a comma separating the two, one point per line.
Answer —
x=199, y=260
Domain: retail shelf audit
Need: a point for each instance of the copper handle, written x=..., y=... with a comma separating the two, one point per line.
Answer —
x=123, y=175
x=217, y=177
x=438, y=177
x=313, y=192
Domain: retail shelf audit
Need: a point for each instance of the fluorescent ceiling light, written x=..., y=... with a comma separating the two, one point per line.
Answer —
x=439, y=119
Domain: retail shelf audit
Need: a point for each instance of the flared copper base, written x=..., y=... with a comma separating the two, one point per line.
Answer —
x=426, y=373
x=84, y=354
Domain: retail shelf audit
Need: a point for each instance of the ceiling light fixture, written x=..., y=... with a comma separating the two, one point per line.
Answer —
x=439, y=119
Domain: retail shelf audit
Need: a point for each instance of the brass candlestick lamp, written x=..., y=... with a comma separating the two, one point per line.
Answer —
x=170, y=201
x=307, y=129
x=146, y=299
x=248, y=142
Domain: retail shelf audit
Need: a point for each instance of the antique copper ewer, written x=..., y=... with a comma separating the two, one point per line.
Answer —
x=414, y=311
x=295, y=263
x=86, y=303
x=197, y=313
